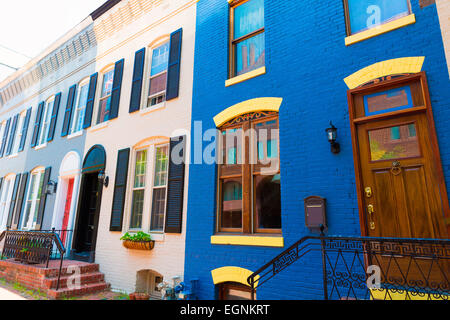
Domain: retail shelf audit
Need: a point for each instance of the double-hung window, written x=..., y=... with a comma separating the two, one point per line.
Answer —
x=137, y=207
x=105, y=98
x=160, y=188
x=33, y=198
x=5, y=200
x=247, y=48
x=19, y=133
x=249, y=176
x=362, y=15
x=46, y=119
x=80, y=107
x=158, y=75
x=149, y=191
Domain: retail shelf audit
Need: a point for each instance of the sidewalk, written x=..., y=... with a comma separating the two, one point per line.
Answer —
x=7, y=295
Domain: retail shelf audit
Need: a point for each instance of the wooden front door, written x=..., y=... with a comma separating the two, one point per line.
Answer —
x=399, y=177
x=401, y=193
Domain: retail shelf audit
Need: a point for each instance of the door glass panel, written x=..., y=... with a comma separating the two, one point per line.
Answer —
x=388, y=101
x=394, y=142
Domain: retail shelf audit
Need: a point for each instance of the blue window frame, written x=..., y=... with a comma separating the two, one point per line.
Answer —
x=388, y=101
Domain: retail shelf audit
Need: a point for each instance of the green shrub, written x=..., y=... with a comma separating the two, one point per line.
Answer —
x=139, y=236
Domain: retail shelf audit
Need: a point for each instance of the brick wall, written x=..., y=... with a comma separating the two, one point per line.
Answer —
x=306, y=61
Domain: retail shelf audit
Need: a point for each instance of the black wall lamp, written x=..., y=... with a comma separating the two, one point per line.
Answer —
x=51, y=187
x=332, y=136
x=103, y=179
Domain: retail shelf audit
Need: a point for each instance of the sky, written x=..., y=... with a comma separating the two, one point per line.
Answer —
x=27, y=27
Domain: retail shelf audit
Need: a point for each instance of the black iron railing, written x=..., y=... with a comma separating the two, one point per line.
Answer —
x=359, y=268
x=66, y=239
x=33, y=247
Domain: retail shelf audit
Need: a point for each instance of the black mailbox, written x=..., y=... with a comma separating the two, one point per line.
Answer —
x=315, y=212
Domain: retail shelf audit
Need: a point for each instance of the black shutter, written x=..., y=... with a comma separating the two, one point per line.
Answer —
x=90, y=101
x=12, y=135
x=26, y=123
x=175, y=185
x=120, y=188
x=19, y=202
x=136, y=86
x=173, y=71
x=117, y=86
x=54, y=119
x=37, y=124
x=5, y=138
x=40, y=216
x=13, y=201
x=68, y=112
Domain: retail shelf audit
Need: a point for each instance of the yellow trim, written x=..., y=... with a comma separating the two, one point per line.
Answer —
x=245, y=76
x=382, y=295
x=252, y=105
x=385, y=68
x=249, y=241
x=232, y=274
x=402, y=22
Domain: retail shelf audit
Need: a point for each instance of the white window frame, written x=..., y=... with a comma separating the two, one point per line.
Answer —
x=5, y=199
x=18, y=138
x=78, y=109
x=2, y=131
x=149, y=182
x=155, y=154
x=45, y=125
x=149, y=97
x=34, y=201
x=106, y=97
x=139, y=188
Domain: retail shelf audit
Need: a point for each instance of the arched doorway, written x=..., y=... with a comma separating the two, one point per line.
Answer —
x=66, y=195
x=86, y=226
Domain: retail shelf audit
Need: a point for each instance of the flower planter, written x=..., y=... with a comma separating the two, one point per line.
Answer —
x=139, y=296
x=139, y=245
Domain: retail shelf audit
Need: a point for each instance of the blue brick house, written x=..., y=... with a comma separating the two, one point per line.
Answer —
x=376, y=70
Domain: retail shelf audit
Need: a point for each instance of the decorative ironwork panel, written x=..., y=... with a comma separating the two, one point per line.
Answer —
x=370, y=268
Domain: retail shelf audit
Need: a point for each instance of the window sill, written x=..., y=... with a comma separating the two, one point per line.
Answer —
x=151, y=109
x=74, y=135
x=157, y=236
x=245, y=76
x=99, y=126
x=260, y=241
x=13, y=155
x=399, y=23
x=42, y=146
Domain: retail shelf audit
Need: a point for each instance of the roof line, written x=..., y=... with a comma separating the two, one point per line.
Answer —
x=103, y=8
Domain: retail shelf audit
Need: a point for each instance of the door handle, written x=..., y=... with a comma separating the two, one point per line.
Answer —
x=371, y=211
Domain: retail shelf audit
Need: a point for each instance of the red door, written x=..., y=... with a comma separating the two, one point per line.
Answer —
x=67, y=211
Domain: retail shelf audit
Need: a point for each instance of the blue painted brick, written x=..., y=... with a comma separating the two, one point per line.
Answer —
x=306, y=61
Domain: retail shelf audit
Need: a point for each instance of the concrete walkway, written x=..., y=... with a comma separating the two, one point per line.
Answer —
x=7, y=295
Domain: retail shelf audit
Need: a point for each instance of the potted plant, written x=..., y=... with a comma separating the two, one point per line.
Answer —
x=139, y=296
x=138, y=241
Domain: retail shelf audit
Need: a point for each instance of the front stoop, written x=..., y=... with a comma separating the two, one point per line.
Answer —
x=38, y=277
